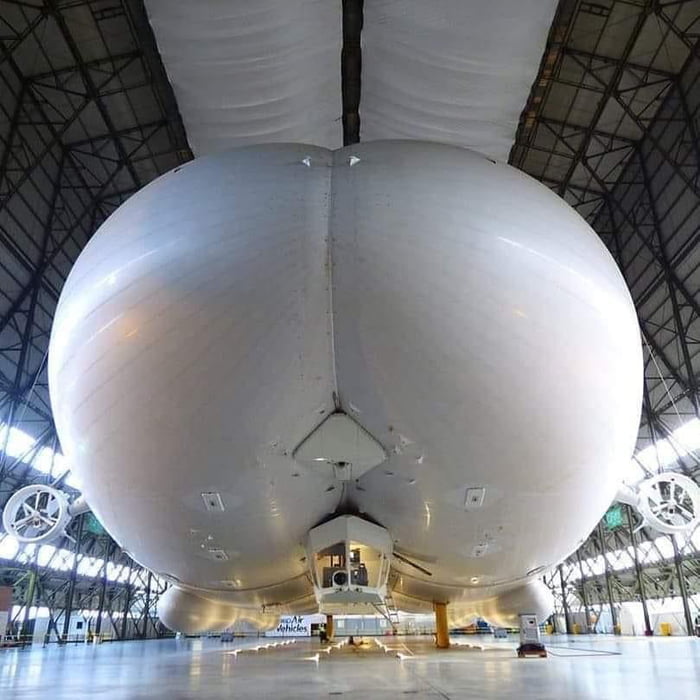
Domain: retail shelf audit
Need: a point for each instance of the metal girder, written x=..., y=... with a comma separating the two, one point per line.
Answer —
x=57, y=586
x=608, y=90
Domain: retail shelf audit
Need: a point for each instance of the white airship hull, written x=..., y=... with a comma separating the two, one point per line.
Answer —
x=468, y=319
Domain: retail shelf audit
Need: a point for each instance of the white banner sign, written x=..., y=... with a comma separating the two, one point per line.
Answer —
x=292, y=626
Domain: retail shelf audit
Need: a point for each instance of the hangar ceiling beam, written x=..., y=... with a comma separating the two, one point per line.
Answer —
x=93, y=91
x=351, y=69
x=662, y=252
x=609, y=88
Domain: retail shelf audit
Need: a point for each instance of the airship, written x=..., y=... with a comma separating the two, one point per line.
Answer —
x=293, y=379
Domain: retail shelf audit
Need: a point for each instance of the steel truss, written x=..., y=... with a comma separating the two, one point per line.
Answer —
x=116, y=609
x=87, y=117
x=612, y=126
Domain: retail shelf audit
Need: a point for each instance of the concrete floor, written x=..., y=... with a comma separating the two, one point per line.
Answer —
x=599, y=668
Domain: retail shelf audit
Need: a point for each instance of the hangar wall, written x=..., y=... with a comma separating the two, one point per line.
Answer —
x=612, y=126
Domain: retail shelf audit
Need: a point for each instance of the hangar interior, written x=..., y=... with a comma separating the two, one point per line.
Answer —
x=88, y=117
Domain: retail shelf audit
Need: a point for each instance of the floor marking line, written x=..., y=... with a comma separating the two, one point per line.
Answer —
x=435, y=688
x=589, y=652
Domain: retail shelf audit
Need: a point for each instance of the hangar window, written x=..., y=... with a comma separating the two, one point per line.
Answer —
x=9, y=547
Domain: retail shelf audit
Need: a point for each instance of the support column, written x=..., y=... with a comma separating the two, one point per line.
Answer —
x=103, y=591
x=608, y=582
x=584, y=596
x=71, y=585
x=682, y=586
x=648, y=630
x=330, y=628
x=28, y=600
x=147, y=605
x=442, y=632
x=127, y=605
x=565, y=602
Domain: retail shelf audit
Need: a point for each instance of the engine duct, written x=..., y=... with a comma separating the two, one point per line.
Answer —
x=668, y=502
x=39, y=514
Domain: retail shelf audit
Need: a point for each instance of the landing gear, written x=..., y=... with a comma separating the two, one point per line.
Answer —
x=442, y=632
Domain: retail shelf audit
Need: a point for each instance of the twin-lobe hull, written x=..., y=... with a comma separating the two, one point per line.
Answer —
x=468, y=319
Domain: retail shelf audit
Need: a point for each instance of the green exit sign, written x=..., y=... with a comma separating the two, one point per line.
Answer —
x=613, y=518
x=93, y=525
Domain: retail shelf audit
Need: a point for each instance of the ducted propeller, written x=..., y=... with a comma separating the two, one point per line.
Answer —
x=668, y=502
x=39, y=513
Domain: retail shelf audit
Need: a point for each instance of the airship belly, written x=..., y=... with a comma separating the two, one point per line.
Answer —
x=466, y=319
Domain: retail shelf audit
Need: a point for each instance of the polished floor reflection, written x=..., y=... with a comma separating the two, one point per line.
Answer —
x=578, y=668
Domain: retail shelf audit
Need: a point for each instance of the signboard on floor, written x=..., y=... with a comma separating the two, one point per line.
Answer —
x=292, y=626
